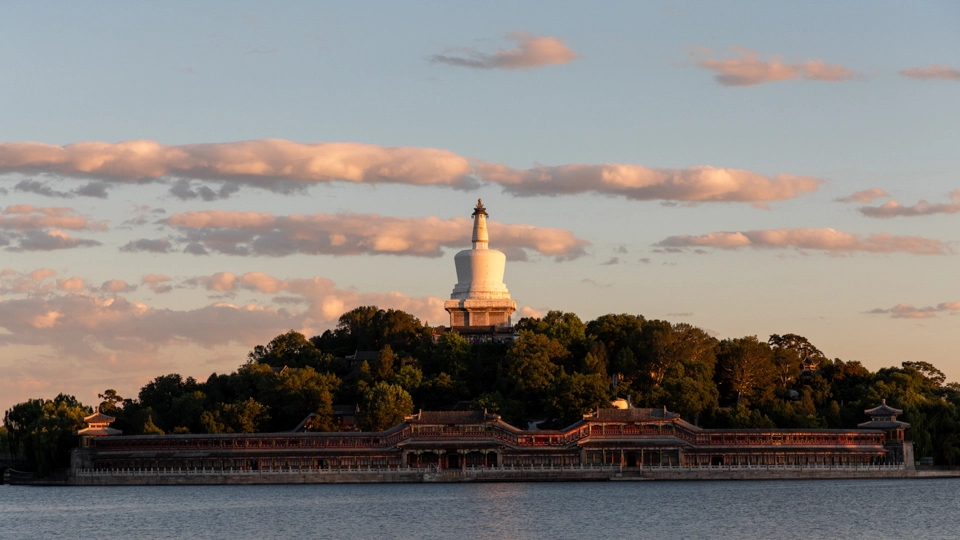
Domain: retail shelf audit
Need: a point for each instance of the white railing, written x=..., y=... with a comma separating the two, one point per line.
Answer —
x=518, y=469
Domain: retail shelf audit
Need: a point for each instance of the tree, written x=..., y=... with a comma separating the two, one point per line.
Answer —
x=242, y=417
x=291, y=349
x=533, y=363
x=616, y=331
x=451, y=355
x=112, y=402
x=323, y=419
x=745, y=367
x=408, y=378
x=384, y=406
x=566, y=328
x=383, y=369
x=41, y=431
x=571, y=396
x=149, y=428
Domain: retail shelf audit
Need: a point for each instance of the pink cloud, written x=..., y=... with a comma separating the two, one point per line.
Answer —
x=255, y=233
x=265, y=162
x=892, y=209
x=907, y=311
x=117, y=286
x=23, y=217
x=945, y=73
x=695, y=184
x=746, y=68
x=158, y=283
x=72, y=284
x=532, y=52
x=866, y=196
x=326, y=302
x=826, y=239
x=285, y=166
x=35, y=282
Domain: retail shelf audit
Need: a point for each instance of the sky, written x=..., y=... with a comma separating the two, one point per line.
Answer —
x=182, y=181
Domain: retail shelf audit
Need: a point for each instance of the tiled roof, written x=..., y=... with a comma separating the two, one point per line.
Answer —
x=449, y=417
x=630, y=415
x=883, y=424
x=345, y=409
x=883, y=410
x=98, y=418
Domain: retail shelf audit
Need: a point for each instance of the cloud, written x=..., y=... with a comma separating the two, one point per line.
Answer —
x=158, y=245
x=745, y=68
x=611, y=261
x=695, y=184
x=681, y=314
x=72, y=284
x=60, y=337
x=285, y=167
x=255, y=233
x=24, y=217
x=588, y=281
x=645, y=260
x=527, y=311
x=892, y=209
x=945, y=73
x=866, y=196
x=117, y=286
x=826, y=239
x=39, y=188
x=40, y=228
x=158, y=283
x=49, y=241
x=532, y=52
x=326, y=301
x=90, y=189
x=907, y=311
x=38, y=281
x=184, y=190
x=267, y=163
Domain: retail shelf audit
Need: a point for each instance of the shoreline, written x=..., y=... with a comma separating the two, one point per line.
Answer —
x=488, y=475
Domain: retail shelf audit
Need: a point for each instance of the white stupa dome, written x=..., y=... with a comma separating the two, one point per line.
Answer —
x=480, y=270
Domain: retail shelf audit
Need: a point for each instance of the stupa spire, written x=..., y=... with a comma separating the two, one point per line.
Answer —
x=481, y=238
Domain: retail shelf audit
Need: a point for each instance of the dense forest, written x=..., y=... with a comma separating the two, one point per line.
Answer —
x=558, y=369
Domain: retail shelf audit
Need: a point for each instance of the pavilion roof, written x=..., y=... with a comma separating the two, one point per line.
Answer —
x=97, y=432
x=883, y=424
x=450, y=417
x=883, y=410
x=630, y=415
x=98, y=418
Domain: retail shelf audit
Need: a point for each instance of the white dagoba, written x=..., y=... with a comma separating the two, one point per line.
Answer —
x=480, y=298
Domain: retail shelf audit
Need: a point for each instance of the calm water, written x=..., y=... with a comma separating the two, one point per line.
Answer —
x=771, y=509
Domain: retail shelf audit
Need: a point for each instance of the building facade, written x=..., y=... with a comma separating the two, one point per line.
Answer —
x=445, y=440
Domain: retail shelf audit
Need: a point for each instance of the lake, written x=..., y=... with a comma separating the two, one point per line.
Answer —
x=732, y=509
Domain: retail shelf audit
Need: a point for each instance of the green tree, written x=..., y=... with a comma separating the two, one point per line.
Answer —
x=384, y=406
x=149, y=428
x=292, y=349
x=41, y=431
x=571, y=396
x=745, y=369
x=383, y=369
x=112, y=402
x=408, y=378
x=242, y=417
x=533, y=362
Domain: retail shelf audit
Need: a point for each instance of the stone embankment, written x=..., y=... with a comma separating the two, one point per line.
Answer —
x=577, y=474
